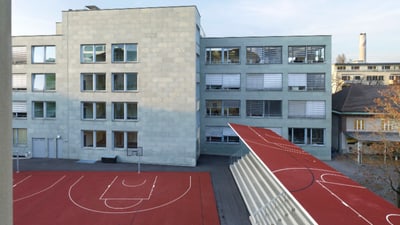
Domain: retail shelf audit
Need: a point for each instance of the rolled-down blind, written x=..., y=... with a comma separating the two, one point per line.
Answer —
x=297, y=108
x=227, y=131
x=315, y=109
x=297, y=80
x=255, y=81
x=213, y=131
x=19, y=107
x=213, y=79
x=231, y=80
x=273, y=81
x=19, y=81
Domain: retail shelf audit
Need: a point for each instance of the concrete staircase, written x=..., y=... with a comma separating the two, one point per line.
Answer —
x=266, y=199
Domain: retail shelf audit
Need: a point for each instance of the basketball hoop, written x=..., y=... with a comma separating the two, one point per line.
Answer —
x=135, y=152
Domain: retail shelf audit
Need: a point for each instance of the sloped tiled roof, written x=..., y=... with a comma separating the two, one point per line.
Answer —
x=356, y=98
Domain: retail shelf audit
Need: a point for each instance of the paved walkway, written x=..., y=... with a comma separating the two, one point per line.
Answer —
x=231, y=208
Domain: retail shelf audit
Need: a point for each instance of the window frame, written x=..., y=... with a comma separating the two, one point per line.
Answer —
x=125, y=140
x=94, y=82
x=222, y=108
x=95, y=109
x=222, y=82
x=126, y=113
x=266, y=107
x=125, y=52
x=19, y=55
x=262, y=81
x=220, y=135
x=44, y=54
x=94, y=56
x=308, y=137
x=225, y=55
x=94, y=141
x=298, y=83
x=307, y=109
x=38, y=87
x=19, y=109
x=17, y=140
x=267, y=57
x=19, y=82
x=303, y=54
x=125, y=82
x=44, y=110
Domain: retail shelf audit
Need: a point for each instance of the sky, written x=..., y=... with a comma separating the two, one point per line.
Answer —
x=343, y=19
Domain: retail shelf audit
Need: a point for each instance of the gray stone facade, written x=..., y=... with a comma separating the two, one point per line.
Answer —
x=171, y=92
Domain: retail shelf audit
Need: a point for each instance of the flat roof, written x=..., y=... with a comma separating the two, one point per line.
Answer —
x=327, y=195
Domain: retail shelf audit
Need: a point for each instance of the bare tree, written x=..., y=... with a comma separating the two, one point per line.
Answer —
x=341, y=58
x=387, y=109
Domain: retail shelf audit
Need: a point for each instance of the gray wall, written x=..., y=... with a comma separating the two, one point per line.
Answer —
x=6, y=205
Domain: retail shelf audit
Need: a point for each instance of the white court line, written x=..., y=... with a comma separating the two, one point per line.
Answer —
x=391, y=215
x=133, y=185
x=27, y=177
x=339, y=184
x=126, y=212
x=41, y=191
x=143, y=198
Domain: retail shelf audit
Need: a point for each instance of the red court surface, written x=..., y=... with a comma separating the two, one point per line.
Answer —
x=327, y=195
x=118, y=198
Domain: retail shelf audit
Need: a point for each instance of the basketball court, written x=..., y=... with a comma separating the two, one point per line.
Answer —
x=120, y=198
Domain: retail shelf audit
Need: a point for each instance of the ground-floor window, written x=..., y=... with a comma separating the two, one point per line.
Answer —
x=307, y=136
x=94, y=139
x=125, y=139
x=221, y=135
x=20, y=136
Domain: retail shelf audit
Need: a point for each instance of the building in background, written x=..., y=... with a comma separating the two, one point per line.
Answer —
x=147, y=79
x=362, y=72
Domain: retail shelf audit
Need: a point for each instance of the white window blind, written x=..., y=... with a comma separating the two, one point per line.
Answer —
x=213, y=131
x=297, y=108
x=19, y=55
x=214, y=79
x=19, y=107
x=19, y=81
x=297, y=80
x=227, y=131
x=255, y=81
x=231, y=80
x=315, y=109
x=273, y=81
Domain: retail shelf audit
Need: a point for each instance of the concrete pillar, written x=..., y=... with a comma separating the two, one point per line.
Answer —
x=6, y=203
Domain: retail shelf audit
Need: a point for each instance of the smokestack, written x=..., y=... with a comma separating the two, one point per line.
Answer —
x=363, y=48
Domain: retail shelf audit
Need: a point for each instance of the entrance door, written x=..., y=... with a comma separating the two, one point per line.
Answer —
x=39, y=148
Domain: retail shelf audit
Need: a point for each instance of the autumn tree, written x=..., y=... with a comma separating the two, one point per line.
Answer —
x=387, y=109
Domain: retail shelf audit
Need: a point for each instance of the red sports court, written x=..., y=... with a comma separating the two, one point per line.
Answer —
x=68, y=198
x=328, y=196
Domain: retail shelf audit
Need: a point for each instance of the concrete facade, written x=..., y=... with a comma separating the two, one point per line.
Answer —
x=166, y=124
x=171, y=124
x=284, y=94
x=6, y=203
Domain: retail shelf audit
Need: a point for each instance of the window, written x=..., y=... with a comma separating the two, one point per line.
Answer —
x=264, y=55
x=20, y=136
x=44, y=109
x=44, y=54
x=307, y=136
x=125, y=110
x=269, y=82
x=93, y=82
x=371, y=67
x=19, y=109
x=125, y=139
x=385, y=67
x=222, y=55
x=264, y=108
x=222, y=81
x=221, y=135
x=355, y=67
x=19, y=82
x=124, y=52
x=306, y=109
x=93, y=53
x=93, y=110
x=223, y=107
x=124, y=81
x=306, y=82
x=19, y=55
x=346, y=77
x=44, y=82
x=359, y=124
x=341, y=68
x=387, y=125
x=306, y=54
x=94, y=139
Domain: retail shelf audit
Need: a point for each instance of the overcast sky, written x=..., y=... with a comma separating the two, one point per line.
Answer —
x=343, y=19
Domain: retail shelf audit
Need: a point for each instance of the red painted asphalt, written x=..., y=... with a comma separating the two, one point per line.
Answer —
x=327, y=195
